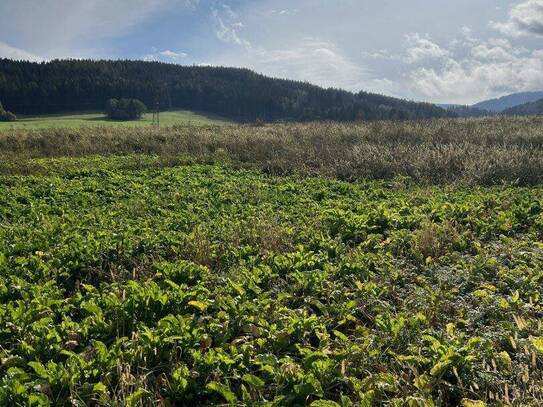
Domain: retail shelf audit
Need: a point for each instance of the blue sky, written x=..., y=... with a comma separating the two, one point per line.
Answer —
x=441, y=51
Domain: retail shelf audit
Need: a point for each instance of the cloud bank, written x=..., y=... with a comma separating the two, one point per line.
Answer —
x=524, y=19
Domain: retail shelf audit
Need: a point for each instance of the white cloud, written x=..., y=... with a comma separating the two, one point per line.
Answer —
x=494, y=50
x=165, y=56
x=491, y=68
x=281, y=12
x=191, y=3
x=227, y=26
x=422, y=48
x=173, y=55
x=315, y=61
x=525, y=18
x=7, y=51
x=419, y=49
x=381, y=54
x=309, y=59
x=74, y=28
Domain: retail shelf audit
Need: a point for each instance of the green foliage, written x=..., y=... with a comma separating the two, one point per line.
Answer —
x=6, y=116
x=208, y=285
x=125, y=109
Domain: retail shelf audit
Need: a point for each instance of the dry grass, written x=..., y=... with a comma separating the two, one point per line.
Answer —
x=478, y=151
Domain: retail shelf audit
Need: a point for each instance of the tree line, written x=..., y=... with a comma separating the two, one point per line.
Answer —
x=526, y=109
x=239, y=94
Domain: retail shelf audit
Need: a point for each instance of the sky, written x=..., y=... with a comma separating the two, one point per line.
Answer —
x=441, y=51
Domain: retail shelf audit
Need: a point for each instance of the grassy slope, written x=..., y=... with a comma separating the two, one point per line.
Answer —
x=93, y=119
x=205, y=285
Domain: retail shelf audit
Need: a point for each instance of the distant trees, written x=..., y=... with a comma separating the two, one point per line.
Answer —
x=125, y=109
x=469, y=111
x=527, y=109
x=6, y=116
x=240, y=94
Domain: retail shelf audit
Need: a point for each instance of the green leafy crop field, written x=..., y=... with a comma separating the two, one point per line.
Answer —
x=203, y=284
x=94, y=119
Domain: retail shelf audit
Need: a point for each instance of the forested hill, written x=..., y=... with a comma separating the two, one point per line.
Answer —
x=510, y=101
x=527, y=109
x=240, y=94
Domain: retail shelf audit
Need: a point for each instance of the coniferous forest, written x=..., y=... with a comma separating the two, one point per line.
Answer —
x=239, y=94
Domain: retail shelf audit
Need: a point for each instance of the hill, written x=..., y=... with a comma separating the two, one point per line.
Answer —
x=509, y=101
x=466, y=111
x=239, y=94
x=94, y=119
x=527, y=109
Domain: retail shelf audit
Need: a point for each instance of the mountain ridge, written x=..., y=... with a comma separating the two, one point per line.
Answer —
x=508, y=101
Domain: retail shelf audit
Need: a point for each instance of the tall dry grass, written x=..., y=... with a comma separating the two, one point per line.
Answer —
x=480, y=151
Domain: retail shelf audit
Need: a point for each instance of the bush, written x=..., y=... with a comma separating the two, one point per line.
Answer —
x=125, y=109
x=6, y=116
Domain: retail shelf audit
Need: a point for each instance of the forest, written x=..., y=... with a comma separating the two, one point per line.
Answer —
x=239, y=94
x=526, y=109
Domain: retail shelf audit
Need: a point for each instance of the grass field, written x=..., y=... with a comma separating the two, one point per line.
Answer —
x=93, y=119
x=247, y=266
x=478, y=151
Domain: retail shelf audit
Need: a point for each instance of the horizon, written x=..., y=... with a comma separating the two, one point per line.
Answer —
x=459, y=53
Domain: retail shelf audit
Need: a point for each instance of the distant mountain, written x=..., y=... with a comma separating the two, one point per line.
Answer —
x=509, y=101
x=527, y=109
x=466, y=111
x=239, y=94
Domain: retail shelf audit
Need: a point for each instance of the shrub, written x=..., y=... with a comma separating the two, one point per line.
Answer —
x=6, y=116
x=125, y=109
x=434, y=240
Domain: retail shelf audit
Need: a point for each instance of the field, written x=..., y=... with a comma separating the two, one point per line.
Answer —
x=318, y=264
x=94, y=119
x=474, y=151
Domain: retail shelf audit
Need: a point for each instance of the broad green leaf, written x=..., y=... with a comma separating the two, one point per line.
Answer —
x=341, y=336
x=223, y=390
x=253, y=381
x=504, y=359
x=99, y=388
x=134, y=398
x=239, y=289
x=440, y=367
x=537, y=342
x=473, y=403
x=40, y=369
x=324, y=403
x=199, y=305
x=40, y=400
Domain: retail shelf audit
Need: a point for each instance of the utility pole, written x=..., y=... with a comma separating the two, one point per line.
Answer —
x=156, y=113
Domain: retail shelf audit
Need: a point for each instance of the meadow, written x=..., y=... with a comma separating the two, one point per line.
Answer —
x=98, y=119
x=474, y=151
x=321, y=264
